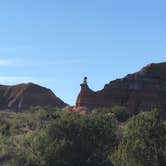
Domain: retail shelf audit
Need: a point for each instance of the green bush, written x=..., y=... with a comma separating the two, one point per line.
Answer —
x=144, y=142
x=70, y=140
x=119, y=112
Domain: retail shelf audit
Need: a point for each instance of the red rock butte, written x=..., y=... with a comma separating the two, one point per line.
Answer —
x=141, y=91
x=23, y=96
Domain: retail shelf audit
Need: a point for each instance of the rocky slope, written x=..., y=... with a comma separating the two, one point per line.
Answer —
x=140, y=91
x=22, y=96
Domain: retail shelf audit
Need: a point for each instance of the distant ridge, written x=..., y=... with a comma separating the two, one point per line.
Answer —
x=140, y=91
x=23, y=96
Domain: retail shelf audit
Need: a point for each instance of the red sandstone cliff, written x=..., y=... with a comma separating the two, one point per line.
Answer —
x=140, y=91
x=22, y=96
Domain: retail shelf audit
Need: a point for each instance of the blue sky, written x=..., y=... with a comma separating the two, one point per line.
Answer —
x=57, y=42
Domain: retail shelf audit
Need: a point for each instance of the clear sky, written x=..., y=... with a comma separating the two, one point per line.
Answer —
x=57, y=42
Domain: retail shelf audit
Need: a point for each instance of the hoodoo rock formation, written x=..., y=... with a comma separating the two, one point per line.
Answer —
x=22, y=96
x=141, y=91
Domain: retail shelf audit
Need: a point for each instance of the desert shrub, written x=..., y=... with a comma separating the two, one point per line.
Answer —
x=70, y=140
x=4, y=127
x=144, y=142
x=120, y=112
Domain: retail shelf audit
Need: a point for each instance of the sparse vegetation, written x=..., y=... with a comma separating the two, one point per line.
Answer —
x=52, y=137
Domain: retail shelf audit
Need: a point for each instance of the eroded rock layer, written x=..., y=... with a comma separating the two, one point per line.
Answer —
x=140, y=91
x=23, y=96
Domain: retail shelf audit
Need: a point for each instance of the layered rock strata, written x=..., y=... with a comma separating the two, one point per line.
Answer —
x=140, y=91
x=23, y=96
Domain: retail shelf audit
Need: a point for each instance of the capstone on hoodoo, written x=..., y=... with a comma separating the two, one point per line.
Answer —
x=86, y=95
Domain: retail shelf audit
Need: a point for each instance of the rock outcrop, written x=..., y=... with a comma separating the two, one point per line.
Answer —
x=23, y=96
x=140, y=91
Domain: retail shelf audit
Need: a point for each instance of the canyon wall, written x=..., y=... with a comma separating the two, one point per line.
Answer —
x=140, y=91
